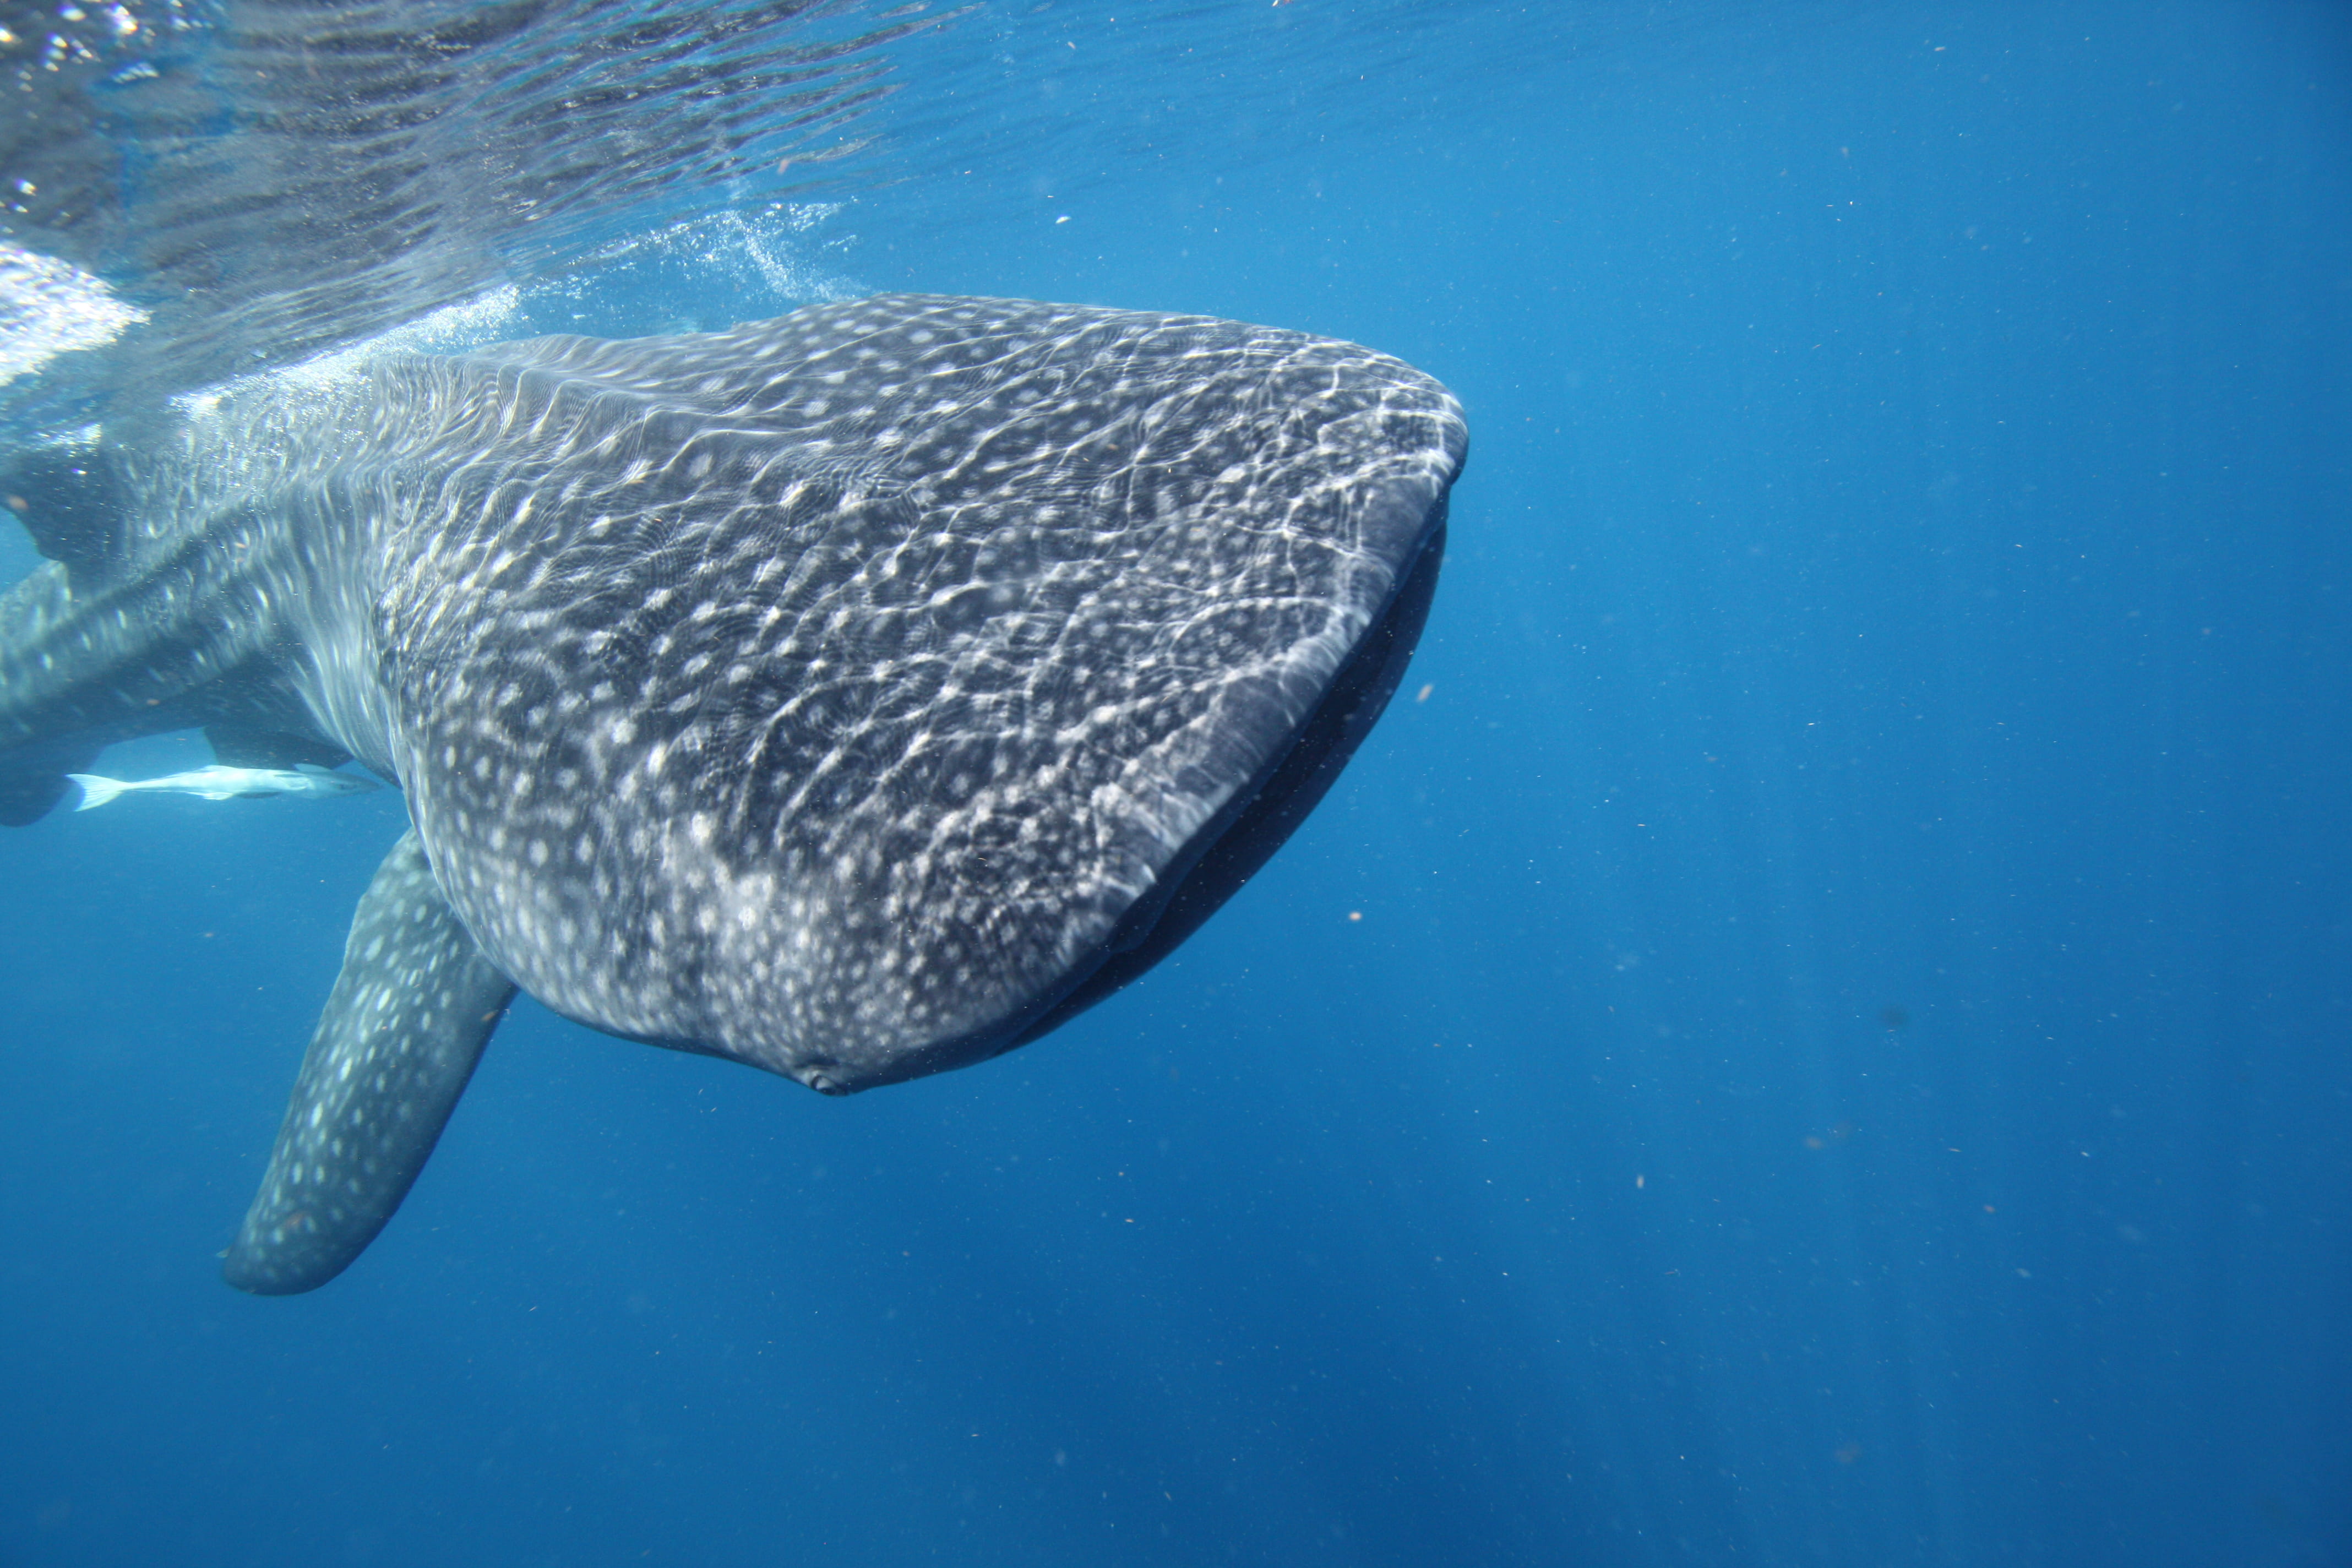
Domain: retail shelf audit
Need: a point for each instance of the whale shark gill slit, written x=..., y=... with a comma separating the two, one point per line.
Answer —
x=855, y=695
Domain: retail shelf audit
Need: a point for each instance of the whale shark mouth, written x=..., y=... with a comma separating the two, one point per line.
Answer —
x=1230, y=849
x=1219, y=858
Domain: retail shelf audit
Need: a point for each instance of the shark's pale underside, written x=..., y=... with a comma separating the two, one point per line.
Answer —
x=857, y=694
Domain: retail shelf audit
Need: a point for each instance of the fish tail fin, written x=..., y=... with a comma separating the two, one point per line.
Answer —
x=95, y=791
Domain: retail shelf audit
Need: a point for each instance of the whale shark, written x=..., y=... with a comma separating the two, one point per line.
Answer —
x=856, y=695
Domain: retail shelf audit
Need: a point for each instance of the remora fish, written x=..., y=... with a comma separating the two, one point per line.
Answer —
x=221, y=782
x=856, y=695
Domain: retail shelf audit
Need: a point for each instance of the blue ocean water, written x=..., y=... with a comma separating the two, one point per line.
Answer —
x=1815, y=1032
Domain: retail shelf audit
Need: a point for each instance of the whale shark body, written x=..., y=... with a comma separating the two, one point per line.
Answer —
x=856, y=695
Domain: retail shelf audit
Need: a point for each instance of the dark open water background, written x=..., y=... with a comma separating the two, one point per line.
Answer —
x=1846, y=1057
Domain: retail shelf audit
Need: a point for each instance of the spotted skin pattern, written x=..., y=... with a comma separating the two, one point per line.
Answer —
x=406, y=1022
x=827, y=693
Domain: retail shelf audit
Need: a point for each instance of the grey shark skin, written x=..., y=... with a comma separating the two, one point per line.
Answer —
x=856, y=695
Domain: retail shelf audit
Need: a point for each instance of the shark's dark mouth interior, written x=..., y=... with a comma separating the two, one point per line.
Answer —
x=1230, y=847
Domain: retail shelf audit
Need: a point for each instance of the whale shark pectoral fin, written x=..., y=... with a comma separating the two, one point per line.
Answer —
x=33, y=778
x=410, y=1013
x=69, y=498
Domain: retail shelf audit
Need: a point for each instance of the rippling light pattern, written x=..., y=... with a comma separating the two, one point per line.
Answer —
x=284, y=177
x=48, y=308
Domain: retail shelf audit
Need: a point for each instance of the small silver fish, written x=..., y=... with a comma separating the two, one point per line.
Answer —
x=220, y=783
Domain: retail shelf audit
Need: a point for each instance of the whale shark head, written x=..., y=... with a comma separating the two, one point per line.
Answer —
x=886, y=669
x=856, y=695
